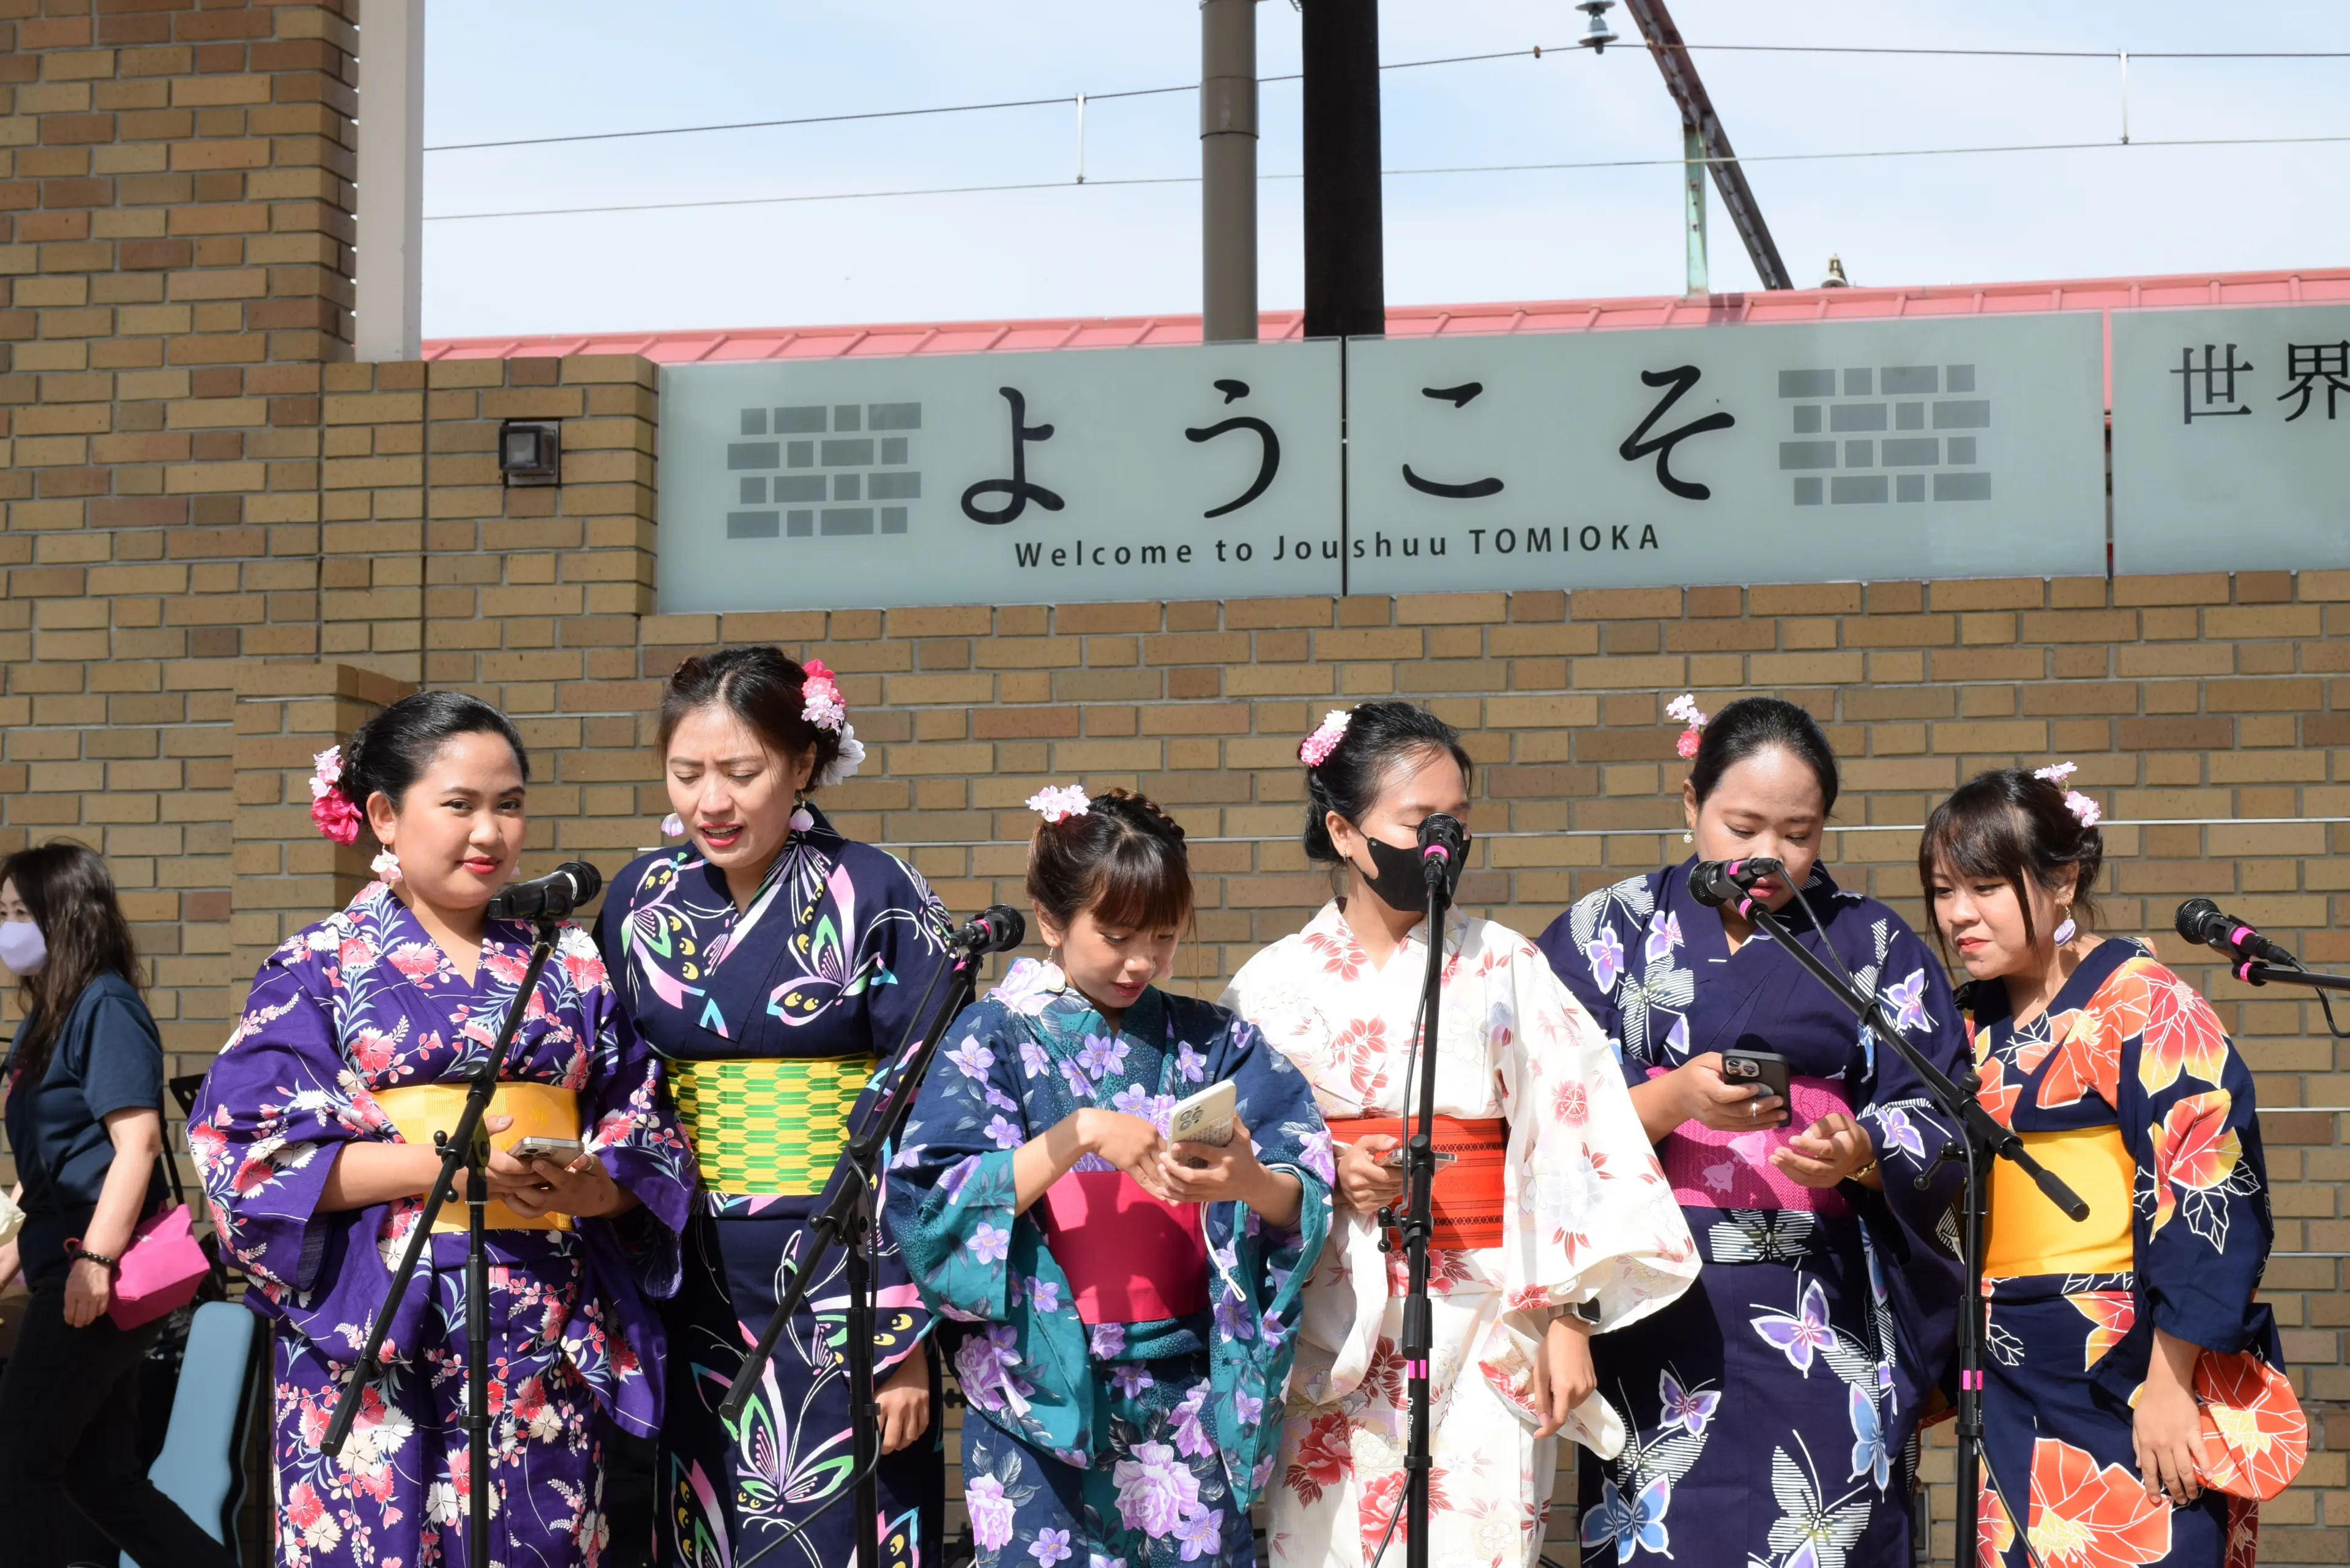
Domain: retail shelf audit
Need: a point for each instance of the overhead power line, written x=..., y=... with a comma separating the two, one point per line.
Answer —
x=1449, y=169
x=1536, y=52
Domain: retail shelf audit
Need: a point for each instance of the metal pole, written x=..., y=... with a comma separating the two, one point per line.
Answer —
x=1693, y=193
x=1346, y=280
x=477, y=1349
x=1228, y=171
x=388, y=323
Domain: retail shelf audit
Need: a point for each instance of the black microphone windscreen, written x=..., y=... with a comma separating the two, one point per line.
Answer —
x=2200, y=921
x=585, y=877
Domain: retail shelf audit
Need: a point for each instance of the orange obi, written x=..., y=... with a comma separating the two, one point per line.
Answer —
x=1467, y=1198
x=1129, y=1257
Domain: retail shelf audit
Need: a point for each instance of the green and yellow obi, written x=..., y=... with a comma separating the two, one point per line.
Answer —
x=767, y=1125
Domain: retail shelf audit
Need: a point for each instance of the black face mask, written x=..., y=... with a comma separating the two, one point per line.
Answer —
x=1396, y=876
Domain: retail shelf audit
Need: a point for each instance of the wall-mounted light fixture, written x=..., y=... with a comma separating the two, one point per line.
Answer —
x=530, y=452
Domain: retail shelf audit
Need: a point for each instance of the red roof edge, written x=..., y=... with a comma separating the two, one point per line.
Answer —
x=2299, y=286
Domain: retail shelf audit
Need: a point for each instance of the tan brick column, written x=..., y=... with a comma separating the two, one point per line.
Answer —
x=285, y=874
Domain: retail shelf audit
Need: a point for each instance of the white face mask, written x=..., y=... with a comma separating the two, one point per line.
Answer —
x=22, y=948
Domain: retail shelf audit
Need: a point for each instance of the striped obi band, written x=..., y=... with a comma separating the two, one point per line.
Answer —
x=1467, y=1198
x=539, y=1110
x=1711, y=1170
x=768, y=1126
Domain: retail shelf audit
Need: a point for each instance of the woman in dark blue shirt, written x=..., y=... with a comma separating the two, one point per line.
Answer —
x=85, y=1119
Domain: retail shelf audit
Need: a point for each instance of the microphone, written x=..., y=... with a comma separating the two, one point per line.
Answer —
x=2201, y=921
x=549, y=898
x=998, y=929
x=1717, y=882
x=1444, y=850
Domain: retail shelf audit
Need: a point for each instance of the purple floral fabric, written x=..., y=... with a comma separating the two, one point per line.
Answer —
x=361, y=1002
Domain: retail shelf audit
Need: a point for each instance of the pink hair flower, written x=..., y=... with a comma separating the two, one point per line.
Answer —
x=2056, y=773
x=1684, y=708
x=2083, y=807
x=821, y=701
x=1315, y=749
x=331, y=811
x=335, y=817
x=1056, y=800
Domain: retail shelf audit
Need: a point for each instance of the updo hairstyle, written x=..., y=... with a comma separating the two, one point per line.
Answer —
x=1752, y=725
x=390, y=752
x=1381, y=739
x=2007, y=824
x=763, y=687
x=1122, y=858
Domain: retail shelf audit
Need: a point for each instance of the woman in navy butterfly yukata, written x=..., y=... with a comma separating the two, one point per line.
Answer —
x=1770, y=1408
x=772, y=962
x=313, y=1136
x=2135, y=1409
x=1124, y=1312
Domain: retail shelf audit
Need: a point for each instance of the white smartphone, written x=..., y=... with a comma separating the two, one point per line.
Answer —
x=561, y=1150
x=1206, y=1118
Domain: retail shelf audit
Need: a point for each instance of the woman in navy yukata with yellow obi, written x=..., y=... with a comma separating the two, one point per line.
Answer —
x=2135, y=1409
x=772, y=964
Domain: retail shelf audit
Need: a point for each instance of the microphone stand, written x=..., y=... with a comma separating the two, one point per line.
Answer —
x=1981, y=1137
x=847, y=1218
x=1419, y=1218
x=468, y=1146
x=2260, y=973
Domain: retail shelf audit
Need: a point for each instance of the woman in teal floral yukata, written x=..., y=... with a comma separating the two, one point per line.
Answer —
x=1121, y=1311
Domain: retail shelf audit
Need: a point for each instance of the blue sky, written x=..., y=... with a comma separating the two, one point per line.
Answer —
x=499, y=68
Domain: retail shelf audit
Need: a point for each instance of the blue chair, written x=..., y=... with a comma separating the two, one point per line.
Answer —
x=200, y=1466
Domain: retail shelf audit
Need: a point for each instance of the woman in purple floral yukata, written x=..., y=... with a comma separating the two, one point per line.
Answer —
x=314, y=1135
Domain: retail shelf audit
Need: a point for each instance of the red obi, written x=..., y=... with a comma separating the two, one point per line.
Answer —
x=1129, y=1257
x=1711, y=1169
x=1467, y=1194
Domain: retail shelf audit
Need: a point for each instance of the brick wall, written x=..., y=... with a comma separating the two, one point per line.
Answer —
x=224, y=545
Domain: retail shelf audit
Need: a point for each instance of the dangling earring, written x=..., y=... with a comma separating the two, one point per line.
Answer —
x=386, y=867
x=1688, y=839
x=2065, y=930
x=802, y=819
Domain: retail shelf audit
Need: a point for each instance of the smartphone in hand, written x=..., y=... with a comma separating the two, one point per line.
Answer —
x=1767, y=1068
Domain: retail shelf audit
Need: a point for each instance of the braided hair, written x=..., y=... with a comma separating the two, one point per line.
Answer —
x=1122, y=858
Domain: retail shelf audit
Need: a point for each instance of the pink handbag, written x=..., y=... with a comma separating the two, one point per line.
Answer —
x=162, y=1270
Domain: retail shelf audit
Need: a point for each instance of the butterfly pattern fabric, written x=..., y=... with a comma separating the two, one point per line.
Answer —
x=2125, y=1045
x=1824, y=1325
x=829, y=958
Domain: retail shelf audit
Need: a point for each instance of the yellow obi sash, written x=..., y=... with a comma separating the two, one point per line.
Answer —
x=2030, y=1235
x=419, y=1110
x=767, y=1125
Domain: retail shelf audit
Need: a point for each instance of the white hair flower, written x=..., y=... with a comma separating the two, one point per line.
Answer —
x=844, y=766
x=1055, y=801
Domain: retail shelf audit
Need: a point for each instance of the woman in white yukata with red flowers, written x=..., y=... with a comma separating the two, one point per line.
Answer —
x=1553, y=1224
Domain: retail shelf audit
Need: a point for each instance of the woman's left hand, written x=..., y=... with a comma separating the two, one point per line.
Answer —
x=583, y=1188
x=1830, y=1151
x=1228, y=1173
x=90, y=1290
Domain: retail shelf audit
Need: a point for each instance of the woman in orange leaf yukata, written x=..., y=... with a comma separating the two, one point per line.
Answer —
x=2136, y=1408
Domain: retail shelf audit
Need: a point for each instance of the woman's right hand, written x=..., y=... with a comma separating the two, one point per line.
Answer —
x=1705, y=1096
x=1127, y=1142
x=1365, y=1184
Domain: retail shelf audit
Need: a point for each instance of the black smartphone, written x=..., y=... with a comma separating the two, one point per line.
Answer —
x=1767, y=1068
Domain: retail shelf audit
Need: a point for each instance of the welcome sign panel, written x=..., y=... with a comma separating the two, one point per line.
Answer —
x=1205, y=472
x=1961, y=447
